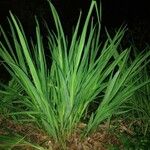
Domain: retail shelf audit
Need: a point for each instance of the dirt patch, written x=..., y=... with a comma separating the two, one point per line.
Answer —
x=99, y=140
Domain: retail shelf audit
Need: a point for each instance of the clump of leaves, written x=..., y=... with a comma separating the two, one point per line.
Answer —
x=57, y=95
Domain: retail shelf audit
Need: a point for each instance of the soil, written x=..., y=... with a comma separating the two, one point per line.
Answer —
x=100, y=140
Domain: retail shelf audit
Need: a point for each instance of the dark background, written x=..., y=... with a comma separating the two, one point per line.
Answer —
x=114, y=12
x=135, y=14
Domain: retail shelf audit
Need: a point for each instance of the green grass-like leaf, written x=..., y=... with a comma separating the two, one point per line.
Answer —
x=58, y=95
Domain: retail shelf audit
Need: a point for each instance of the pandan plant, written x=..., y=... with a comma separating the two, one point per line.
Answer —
x=57, y=94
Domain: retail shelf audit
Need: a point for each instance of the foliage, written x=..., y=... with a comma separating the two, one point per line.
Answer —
x=56, y=94
x=11, y=96
x=16, y=142
x=138, y=106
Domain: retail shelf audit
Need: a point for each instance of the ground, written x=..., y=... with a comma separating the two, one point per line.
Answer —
x=104, y=138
